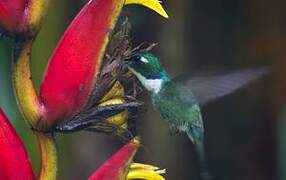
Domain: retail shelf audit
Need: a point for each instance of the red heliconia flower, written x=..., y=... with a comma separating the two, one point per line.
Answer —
x=73, y=68
x=14, y=160
x=72, y=71
x=121, y=167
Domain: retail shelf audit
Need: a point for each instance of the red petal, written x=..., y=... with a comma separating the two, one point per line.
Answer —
x=116, y=168
x=11, y=14
x=73, y=67
x=14, y=160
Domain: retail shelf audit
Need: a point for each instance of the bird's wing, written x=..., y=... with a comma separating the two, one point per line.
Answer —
x=210, y=88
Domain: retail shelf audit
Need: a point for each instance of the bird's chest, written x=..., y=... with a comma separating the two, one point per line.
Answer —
x=172, y=109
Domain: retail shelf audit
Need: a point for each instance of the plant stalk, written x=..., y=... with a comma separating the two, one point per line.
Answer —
x=31, y=107
x=48, y=151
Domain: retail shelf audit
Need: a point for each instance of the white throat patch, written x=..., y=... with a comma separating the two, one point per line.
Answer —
x=153, y=85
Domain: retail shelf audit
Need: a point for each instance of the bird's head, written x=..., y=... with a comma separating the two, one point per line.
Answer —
x=147, y=68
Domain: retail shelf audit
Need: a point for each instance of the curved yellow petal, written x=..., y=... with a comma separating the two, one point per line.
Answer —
x=143, y=166
x=117, y=90
x=145, y=171
x=117, y=119
x=152, y=4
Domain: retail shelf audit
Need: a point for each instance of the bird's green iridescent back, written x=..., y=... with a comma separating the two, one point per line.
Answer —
x=179, y=107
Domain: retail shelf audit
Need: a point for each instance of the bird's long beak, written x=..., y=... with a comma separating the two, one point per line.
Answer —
x=128, y=61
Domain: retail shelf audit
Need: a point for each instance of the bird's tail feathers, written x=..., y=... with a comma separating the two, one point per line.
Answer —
x=202, y=159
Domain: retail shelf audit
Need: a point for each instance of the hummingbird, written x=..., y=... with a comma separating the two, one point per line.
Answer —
x=179, y=100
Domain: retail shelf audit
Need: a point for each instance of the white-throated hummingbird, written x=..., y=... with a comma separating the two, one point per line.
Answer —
x=178, y=100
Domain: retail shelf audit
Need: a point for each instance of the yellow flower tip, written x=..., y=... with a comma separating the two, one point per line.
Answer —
x=136, y=140
x=155, y=5
x=145, y=171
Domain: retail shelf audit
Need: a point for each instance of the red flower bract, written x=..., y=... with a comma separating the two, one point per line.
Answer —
x=11, y=14
x=117, y=167
x=14, y=160
x=74, y=65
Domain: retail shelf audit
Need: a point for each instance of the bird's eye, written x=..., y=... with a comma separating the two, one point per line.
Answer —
x=136, y=58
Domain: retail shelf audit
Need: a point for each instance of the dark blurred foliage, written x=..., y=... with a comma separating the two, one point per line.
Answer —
x=245, y=132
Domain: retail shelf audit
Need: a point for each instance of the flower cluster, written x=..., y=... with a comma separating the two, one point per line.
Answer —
x=83, y=88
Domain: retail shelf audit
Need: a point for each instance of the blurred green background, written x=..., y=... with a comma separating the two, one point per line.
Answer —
x=245, y=132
